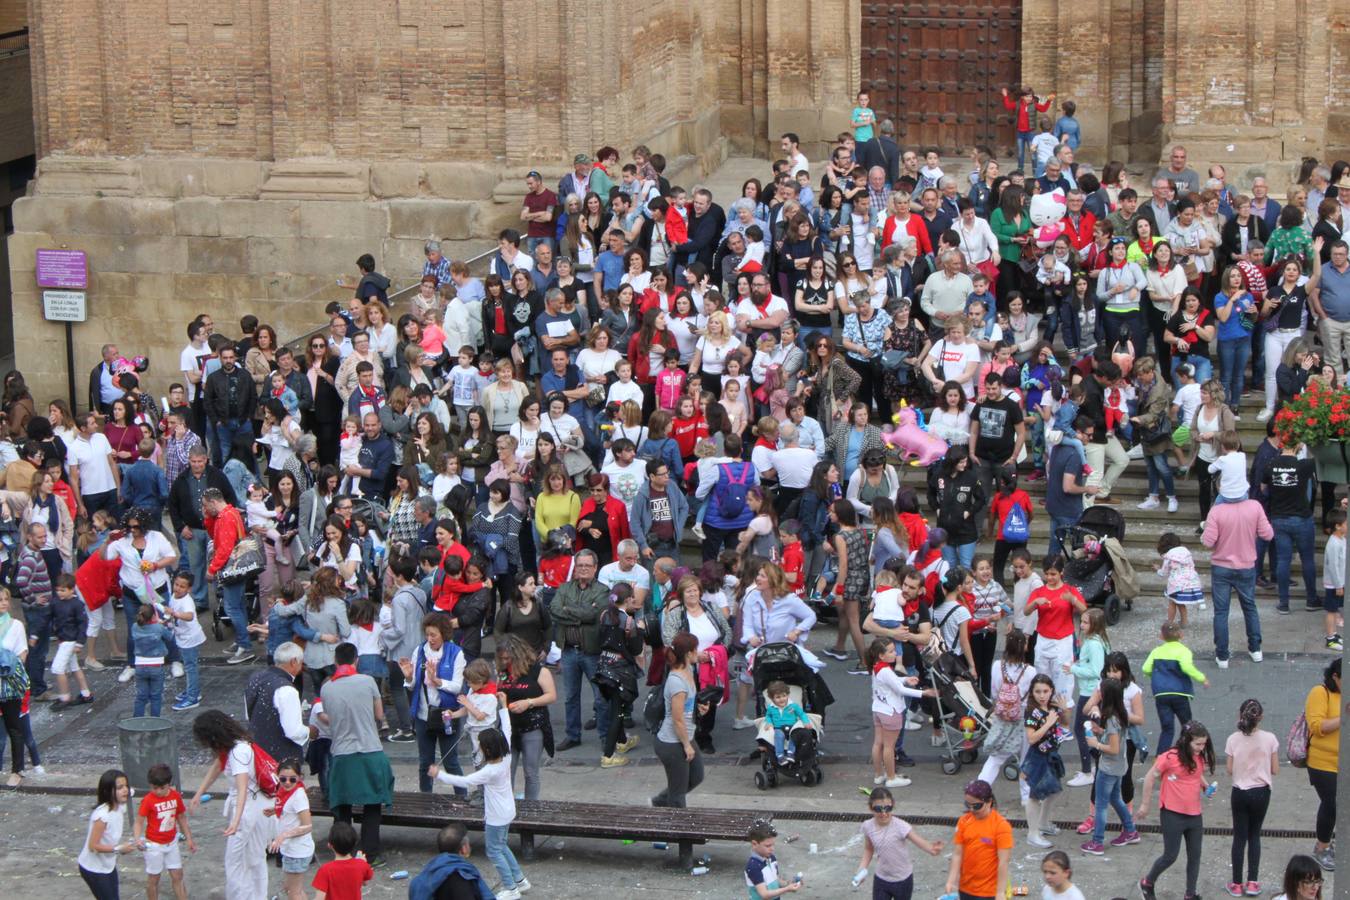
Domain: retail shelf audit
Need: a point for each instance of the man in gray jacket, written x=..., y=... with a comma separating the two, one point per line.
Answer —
x=401, y=639
x=576, y=612
x=660, y=510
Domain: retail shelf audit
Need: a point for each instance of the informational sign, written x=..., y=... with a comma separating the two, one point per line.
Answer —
x=63, y=269
x=63, y=306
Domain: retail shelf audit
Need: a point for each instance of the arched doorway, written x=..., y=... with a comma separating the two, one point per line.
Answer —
x=936, y=70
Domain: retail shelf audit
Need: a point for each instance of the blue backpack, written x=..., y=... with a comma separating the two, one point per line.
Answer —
x=731, y=491
x=1015, y=525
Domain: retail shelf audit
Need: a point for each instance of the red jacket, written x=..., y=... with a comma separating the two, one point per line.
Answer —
x=616, y=514
x=226, y=530
x=677, y=227
x=687, y=433
x=1081, y=236
x=1024, y=110
x=642, y=361
x=97, y=580
x=650, y=299
x=913, y=226
x=66, y=493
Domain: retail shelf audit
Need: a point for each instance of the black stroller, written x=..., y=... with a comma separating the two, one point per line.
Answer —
x=783, y=662
x=1088, y=567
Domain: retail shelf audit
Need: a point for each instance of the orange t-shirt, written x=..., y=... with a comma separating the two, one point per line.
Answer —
x=981, y=839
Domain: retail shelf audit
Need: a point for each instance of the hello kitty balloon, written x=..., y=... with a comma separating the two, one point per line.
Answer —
x=1047, y=211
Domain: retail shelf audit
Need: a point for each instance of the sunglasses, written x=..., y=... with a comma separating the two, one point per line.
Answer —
x=883, y=808
x=974, y=806
x=287, y=779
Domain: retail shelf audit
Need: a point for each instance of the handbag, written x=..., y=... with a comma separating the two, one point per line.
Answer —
x=246, y=560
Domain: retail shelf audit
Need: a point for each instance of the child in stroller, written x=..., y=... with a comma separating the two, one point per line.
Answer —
x=778, y=667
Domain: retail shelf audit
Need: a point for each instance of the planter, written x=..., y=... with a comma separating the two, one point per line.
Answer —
x=1333, y=464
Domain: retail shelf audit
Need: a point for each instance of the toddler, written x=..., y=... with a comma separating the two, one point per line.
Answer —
x=466, y=386
x=434, y=337
x=766, y=345
x=349, y=453
x=931, y=171
x=151, y=639
x=287, y=396
x=753, y=258
x=782, y=715
x=1231, y=467
x=1183, y=583
x=625, y=388
x=479, y=706
x=1042, y=147
x=261, y=515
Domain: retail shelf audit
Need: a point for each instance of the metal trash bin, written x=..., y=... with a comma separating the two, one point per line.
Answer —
x=144, y=741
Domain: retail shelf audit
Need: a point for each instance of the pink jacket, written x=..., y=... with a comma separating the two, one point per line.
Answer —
x=1231, y=532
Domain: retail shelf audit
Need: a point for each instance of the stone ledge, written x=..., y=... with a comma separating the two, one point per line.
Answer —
x=316, y=180
x=88, y=176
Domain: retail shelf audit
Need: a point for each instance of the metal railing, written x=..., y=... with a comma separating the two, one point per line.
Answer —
x=297, y=343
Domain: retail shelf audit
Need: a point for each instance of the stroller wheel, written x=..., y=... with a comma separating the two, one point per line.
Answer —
x=761, y=781
x=1010, y=771
x=773, y=779
x=808, y=778
x=217, y=625
x=967, y=756
x=820, y=774
x=950, y=766
x=1112, y=609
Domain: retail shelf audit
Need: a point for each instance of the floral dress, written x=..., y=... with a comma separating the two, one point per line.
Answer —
x=1183, y=582
x=858, y=580
x=909, y=341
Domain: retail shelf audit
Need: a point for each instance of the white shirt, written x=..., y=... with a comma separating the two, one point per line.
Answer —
x=156, y=548
x=15, y=639
x=863, y=241
x=96, y=475
x=526, y=437
x=187, y=633
x=613, y=574
x=499, y=801
x=1189, y=400
x=619, y=392
x=715, y=355
x=639, y=281
x=562, y=428
x=191, y=360
x=950, y=361
x=685, y=339
x=977, y=242
x=1232, y=471
x=793, y=465
x=113, y=821
x=594, y=364
x=286, y=701
x=748, y=309
x=301, y=847
x=626, y=481
x=799, y=164
x=239, y=761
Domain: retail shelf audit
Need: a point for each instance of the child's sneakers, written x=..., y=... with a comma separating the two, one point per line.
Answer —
x=1334, y=642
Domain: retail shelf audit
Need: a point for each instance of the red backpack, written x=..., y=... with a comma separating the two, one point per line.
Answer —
x=264, y=769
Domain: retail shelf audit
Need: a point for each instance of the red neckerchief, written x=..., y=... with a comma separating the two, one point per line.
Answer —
x=488, y=689
x=284, y=794
x=764, y=442
x=763, y=310
x=1117, y=265
x=369, y=626
x=342, y=672
x=1163, y=270
x=1147, y=248
x=878, y=666
x=368, y=392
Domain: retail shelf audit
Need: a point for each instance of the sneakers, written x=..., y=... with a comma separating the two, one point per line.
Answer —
x=859, y=669
x=613, y=762
x=1234, y=889
x=912, y=725
x=897, y=781
x=508, y=894
x=904, y=759
x=936, y=740
x=1092, y=847
x=698, y=532
x=1282, y=610
x=523, y=885
x=1334, y=643
x=1082, y=779
x=1256, y=655
x=879, y=780
x=39, y=771
x=402, y=737
x=186, y=704
x=1172, y=504
x=1125, y=838
x=1252, y=889
x=1085, y=826
x=1326, y=858
x=1263, y=416
x=742, y=723
x=1146, y=890
x=1037, y=840
x=835, y=654
x=627, y=745
x=240, y=655
x=94, y=665
x=176, y=670
x=1313, y=606
x=1221, y=663
x=1150, y=502
x=126, y=675
x=1050, y=829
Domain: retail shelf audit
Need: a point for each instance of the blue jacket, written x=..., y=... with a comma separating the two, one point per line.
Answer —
x=69, y=619
x=450, y=671
x=144, y=485
x=377, y=456
x=666, y=450
x=442, y=867
x=285, y=623
x=151, y=640
x=814, y=515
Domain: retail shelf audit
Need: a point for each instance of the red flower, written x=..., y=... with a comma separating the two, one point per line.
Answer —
x=1311, y=420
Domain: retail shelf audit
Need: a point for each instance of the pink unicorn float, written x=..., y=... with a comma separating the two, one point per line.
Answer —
x=914, y=442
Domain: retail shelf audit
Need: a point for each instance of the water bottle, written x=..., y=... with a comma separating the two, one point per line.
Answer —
x=1211, y=789
x=699, y=870
x=858, y=877
x=399, y=875
x=797, y=879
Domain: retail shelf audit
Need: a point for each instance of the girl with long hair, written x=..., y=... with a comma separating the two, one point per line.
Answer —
x=1182, y=771
x=1041, y=766
x=103, y=842
x=1108, y=739
x=1093, y=646
x=231, y=747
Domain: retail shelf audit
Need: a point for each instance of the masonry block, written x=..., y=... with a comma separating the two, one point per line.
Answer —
x=395, y=179
x=343, y=218
x=197, y=216
x=430, y=218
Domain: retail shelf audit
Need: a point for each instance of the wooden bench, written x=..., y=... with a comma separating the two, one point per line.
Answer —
x=683, y=827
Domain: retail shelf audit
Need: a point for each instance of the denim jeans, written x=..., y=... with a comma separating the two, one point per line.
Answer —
x=192, y=689
x=1159, y=474
x=232, y=595
x=1224, y=581
x=575, y=664
x=962, y=555
x=39, y=620
x=149, y=689
x=1233, y=356
x=1107, y=792
x=1292, y=532
x=500, y=855
x=435, y=746
x=1058, y=524
x=225, y=432
x=192, y=558
x=1024, y=139
x=1204, y=369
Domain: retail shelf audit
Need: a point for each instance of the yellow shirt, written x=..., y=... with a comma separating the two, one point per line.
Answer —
x=554, y=511
x=1323, y=749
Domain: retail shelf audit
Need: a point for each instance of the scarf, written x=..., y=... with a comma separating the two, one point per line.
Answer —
x=284, y=794
x=878, y=666
x=1117, y=265
x=1147, y=248
x=342, y=672
x=370, y=393
x=766, y=443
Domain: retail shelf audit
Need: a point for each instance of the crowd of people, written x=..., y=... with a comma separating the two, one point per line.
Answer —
x=514, y=461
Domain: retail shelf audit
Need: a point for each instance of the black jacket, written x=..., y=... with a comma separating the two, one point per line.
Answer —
x=230, y=395
x=704, y=232
x=182, y=511
x=1232, y=243
x=373, y=284
x=880, y=151
x=327, y=406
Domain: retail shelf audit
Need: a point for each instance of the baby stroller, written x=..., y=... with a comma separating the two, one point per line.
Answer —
x=963, y=712
x=783, y=662
x=1088, y=567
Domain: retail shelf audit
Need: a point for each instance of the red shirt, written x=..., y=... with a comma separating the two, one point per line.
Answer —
x=544, y=201
x=794, y=565
x=1055, y=620
x=161, y=816
x=341, y=879
x=687, y=432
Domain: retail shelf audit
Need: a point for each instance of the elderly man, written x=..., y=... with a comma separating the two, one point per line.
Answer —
x=1318, y=182
x=660, y=510
x=578, y=181
x=346, y=380
x=625, y=570
x=544, y=275
x=1262, y=205
x=554, y=329
x=359, y=773
x=878, y=189
x=272, y=704
x=944, y=293
x=449, y=875
x=226, y=527
x=1161, y=209
x=436, y=264
x=185, y=512
x=1067, y=167
x=374, y=458
x=793, y=464
x=102, y=391
x=809, y=433
x=1077, y=222
x=576, y=609
x=1329, y=297
x=1187, y=180
x=950, y=204
x=1053, y=180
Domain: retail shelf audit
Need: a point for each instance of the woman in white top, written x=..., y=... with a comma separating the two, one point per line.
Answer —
x=231, y=747
x=852, y=283
x=683, y=325
x=281, y=432
x=711, y=352
x=635, y=271
x=977, y=241
x=147, y=558
x=526, y=429
x=103, y=842
x=950, y=419
x=338, y=551
x=383, y=335
x=598, y=359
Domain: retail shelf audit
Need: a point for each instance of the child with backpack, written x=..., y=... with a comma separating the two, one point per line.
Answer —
x=1011, y=678
x=1010, y=515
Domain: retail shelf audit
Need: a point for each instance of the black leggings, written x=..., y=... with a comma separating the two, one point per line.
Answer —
x=982, y=647
x=614, y=735
x=370, y=826
x=1325, y=784
x=892, y=890
x=1249, y=814
x=1202, y=473
x=1002, y=550
x=14, y=728
x=1176, y=827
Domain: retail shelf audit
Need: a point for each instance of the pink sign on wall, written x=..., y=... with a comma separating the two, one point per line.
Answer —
x=62, y=269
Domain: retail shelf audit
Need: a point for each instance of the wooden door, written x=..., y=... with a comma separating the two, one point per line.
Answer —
x=935, y=69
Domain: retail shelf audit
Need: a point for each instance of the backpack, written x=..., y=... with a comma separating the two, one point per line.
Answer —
x=1296, y=744
x=730, y=493
x=654, y=712
x=13, y=676
x=264, y=769
x=1008, y=702
x=1015, y=526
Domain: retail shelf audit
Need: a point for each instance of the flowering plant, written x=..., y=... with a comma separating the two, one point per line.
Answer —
x=1316, y=416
